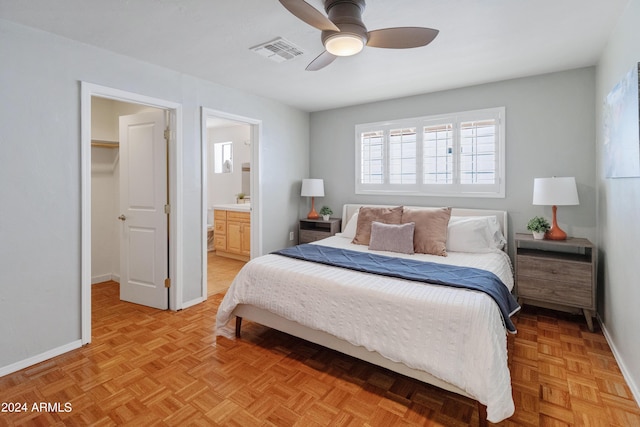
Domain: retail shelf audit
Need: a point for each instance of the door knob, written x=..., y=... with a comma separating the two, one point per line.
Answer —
x=122, y=218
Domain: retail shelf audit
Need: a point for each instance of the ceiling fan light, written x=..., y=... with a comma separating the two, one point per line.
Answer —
x=344, y=44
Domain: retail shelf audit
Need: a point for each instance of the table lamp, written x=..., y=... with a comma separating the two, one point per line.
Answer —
x=556, y=191
x=312, y=188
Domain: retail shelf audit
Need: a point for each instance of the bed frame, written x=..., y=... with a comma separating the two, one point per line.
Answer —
x=266, y=318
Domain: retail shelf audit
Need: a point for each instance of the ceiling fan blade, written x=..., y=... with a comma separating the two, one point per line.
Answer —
x=401, y=37
x=324, y=59
x=309, y=14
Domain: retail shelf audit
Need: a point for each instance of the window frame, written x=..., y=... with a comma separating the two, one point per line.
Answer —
x=454, y=189
x=219, y=157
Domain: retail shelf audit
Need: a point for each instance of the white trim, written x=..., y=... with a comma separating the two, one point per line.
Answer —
x=105, y=278
x=101, y=278
x=176, y=230
x=635, y=389
x=25, y=363
x=419, y=188
x=256, y=201
x=89, y=90
x=193, y=302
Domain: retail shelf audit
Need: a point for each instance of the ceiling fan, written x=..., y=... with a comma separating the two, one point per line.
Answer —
x=344, y=33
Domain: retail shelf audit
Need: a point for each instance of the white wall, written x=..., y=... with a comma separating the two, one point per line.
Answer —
x=40, y=226
x=105, y=114
x=549, y=131
x=105, y=251
x=618, y=207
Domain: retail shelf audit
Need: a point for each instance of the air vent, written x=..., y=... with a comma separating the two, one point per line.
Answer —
x=278, y=50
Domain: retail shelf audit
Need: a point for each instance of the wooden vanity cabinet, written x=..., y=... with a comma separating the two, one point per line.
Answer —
x=232, y=234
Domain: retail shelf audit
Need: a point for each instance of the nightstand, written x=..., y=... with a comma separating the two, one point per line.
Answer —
x=310, y=230
x=560, y=272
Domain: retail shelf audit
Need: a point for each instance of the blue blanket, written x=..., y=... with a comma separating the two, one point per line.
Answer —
x=427, y=272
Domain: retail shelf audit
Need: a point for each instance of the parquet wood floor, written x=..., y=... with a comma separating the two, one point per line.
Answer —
x=157, y=368
x=220, y=272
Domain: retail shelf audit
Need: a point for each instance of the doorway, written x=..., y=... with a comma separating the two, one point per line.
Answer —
x=129, y=192
x=90, y=92
x=232, y=184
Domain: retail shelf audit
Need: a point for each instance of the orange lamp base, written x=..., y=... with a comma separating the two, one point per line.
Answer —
x=312, y=213
x=555, y=233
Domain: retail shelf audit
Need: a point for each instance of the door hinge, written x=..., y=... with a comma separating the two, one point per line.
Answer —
x=167, y=134
x=167, y=282
x=167, y=209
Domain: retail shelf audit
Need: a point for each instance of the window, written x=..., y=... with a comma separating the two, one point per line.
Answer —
x=223, y=157
x=402, y=156
x=460, y=154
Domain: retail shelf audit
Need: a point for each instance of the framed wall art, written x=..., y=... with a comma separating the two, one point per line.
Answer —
x=622, y=127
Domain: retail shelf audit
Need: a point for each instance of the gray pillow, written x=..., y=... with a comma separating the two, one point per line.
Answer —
x=391, y=237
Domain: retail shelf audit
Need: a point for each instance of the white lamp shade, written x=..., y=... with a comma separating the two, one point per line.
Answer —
x=556, y=191
x=312, y=188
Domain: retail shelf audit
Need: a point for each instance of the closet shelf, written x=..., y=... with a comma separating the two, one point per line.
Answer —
x=104, y=144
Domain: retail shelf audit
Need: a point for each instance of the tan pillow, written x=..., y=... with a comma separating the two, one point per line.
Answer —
x=367, y=215
x=430, y=235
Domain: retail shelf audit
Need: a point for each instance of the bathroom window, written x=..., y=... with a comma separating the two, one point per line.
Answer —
x=223, y=157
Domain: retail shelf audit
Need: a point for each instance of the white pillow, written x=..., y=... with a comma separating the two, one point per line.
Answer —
x=351, y=227
x=494, y=228
x=474, y=234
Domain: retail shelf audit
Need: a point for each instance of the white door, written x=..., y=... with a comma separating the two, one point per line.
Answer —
x=144, y=223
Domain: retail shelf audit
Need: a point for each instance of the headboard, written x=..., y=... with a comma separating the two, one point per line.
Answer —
x=349, y=209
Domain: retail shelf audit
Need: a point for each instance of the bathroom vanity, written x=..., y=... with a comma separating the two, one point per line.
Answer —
x=232, y=231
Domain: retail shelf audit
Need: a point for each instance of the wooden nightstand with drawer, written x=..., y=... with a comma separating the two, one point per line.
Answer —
x=311, y=230
x=560, y=272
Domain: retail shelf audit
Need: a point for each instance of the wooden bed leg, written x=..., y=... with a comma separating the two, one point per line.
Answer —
x=239, y=326
x=482, y=415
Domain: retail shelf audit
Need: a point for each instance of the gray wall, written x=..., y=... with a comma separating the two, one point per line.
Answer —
x=40, y=226
x=549, y=131
x=618, y=207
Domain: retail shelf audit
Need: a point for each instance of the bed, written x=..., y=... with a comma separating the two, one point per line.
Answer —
x=453, y=338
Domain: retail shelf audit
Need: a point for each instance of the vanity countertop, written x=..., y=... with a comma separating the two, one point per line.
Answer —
x=240, y=207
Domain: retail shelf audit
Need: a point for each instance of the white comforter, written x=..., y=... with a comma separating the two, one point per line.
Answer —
x=454, y=334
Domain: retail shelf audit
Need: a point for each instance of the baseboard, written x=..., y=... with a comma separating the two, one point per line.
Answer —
x=635, y=390
x=100, y=278
x=14, y=367
x=192, y=302
x=105, y=278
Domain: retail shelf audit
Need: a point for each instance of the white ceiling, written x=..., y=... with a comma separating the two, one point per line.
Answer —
x=480, y=41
